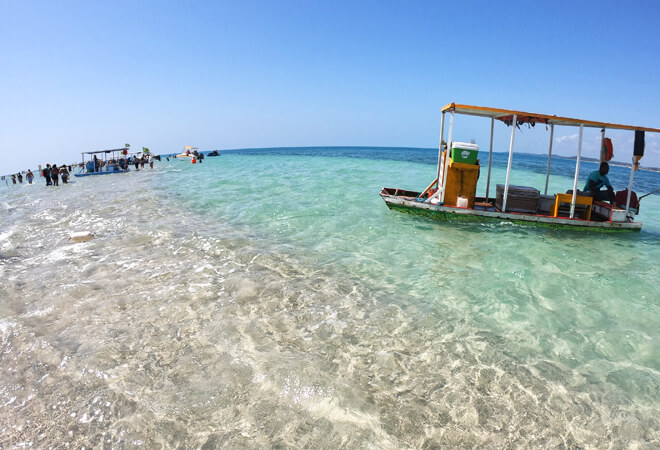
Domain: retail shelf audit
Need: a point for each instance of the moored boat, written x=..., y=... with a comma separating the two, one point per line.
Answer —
x=110, y=161
x=452, y=195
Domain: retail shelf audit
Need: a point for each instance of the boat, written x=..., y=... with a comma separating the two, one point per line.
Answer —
x=213, y=153
x=188, y=154
x=452, y=195
x=110, y=161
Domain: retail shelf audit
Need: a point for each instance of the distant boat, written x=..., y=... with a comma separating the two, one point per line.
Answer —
x=187, y=154
x=452, y=195
x=213, y=153
x=111, y=161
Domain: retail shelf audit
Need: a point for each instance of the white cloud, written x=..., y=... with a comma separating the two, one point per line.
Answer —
x=652, y=144
x=566, y=139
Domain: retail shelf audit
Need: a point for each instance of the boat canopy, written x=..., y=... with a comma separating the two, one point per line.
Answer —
x=106, y=151
x=518, y=118
x=506, y=116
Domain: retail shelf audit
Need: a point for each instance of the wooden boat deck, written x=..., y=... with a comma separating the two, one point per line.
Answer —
x=485, y=210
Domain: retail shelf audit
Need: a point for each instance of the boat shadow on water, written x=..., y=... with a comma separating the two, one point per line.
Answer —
x=509, y=229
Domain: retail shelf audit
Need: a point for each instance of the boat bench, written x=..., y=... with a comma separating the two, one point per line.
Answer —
x=609, y=212
x=582, y=205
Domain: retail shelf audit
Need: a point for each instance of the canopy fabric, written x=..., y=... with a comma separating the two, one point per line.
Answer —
x=506, y=116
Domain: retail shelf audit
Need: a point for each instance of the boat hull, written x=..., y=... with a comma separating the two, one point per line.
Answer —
x=98, y=173
x=406, y=201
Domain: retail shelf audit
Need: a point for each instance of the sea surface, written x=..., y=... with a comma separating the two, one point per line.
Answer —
x=268, y=298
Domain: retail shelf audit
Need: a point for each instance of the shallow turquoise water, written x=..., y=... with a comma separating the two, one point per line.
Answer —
x=270, y=298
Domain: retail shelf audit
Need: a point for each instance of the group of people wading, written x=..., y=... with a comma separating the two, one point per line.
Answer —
x=29, y=176
x=52, y=174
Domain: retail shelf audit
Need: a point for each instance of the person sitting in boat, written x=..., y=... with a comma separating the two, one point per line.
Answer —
x=597, y=179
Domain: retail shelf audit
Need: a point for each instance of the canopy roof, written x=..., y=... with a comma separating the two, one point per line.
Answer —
x=106, y=151
x=506, y=116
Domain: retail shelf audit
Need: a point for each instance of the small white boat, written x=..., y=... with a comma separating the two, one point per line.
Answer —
x=188, y=154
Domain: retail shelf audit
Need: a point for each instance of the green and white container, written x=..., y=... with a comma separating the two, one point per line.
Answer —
x=463, y=152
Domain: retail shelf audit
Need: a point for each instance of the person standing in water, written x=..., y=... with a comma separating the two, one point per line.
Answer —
x=64, y=173
x=46, y=174
x=55, y=175
x=29, y=176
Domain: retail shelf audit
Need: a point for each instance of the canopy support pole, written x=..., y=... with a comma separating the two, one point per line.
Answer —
x=445, y=171
x=602, y=141
x=577, y=173
x=440, y=161
x=547, y=175
x=630, y=183
x=508, y=166
x=490, y=155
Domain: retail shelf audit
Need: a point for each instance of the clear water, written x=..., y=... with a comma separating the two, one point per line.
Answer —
x=270, y=299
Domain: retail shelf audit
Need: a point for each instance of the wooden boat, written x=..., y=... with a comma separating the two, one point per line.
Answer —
x=111, y=161
x=452, y=195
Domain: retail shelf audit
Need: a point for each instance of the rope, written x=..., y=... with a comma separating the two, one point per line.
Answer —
x=645, y=195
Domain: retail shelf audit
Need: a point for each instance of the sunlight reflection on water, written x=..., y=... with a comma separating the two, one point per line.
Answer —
x=228, y=305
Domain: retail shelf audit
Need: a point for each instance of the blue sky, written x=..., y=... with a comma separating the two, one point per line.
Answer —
x=80, y=76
